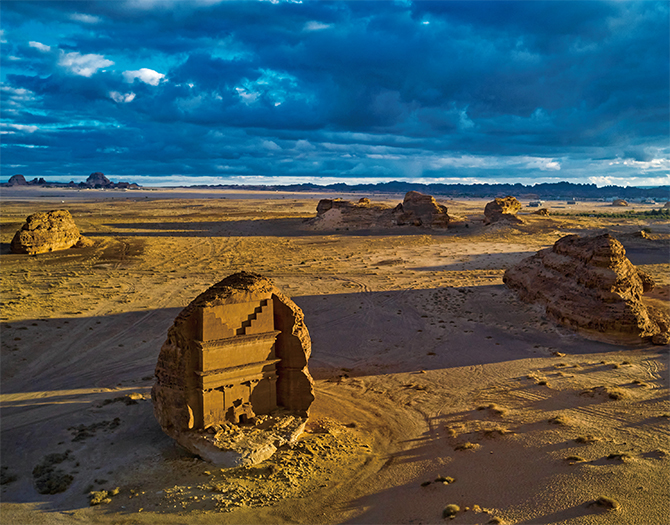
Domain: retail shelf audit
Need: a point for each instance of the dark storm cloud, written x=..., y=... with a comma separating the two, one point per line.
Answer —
x=391, y=89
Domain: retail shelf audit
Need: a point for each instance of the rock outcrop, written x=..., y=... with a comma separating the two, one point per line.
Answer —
x=619, y=202
x=588, y=283
x=502, y=210
x=17, y=180
x=47, y=232
x=231, y=380
x=422, y=210
x=416, y=209
x=544, y=212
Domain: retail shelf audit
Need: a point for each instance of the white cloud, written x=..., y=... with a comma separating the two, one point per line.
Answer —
x=148, y=76
x=3, y=40
x=40, y=47
x=315, y=26
x=18, y=127
x=122, y=98
x=86, y=19
x=83, y=65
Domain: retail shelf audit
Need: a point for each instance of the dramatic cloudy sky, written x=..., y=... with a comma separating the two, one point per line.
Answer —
x=457, y=91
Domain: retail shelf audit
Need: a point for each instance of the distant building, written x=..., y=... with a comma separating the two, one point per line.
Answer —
x=571, y=201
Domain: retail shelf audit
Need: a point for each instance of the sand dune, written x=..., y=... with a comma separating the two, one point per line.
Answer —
x=427, y=367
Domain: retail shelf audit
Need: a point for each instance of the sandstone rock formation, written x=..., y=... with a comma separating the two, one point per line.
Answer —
x=231, y=380
x=98, y=180
x=588, y=283
x=47, y=232
x=544, y=212
x=416, y=209
x=423, y=210
x=619, y=202
x=17, y=180
x=502, y=209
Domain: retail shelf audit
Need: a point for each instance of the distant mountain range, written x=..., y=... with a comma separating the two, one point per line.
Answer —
x=554, y=190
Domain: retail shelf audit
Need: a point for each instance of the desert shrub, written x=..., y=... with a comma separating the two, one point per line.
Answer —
x=450, y=511
x=606, y=503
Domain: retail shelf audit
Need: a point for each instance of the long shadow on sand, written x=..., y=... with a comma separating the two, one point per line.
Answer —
x=291, y=227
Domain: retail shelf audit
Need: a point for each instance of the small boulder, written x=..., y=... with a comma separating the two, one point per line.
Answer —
x=502, y=209
x=46, y=232
x=544, y=212
x=619, y=202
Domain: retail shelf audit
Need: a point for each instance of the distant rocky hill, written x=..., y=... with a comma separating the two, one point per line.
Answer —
x=550, y=191
x=94, y=180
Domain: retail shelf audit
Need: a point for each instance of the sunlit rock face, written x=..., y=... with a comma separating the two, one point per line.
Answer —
x=232, y=379
x=502, y=210
x=423, y=210
x=46, y=232
x=588, y=282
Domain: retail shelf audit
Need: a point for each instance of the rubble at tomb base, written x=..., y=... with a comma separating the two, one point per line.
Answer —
x=589, y=283
x=232, y=381
x=502, y=210
x=45, y=232
x=416, y=209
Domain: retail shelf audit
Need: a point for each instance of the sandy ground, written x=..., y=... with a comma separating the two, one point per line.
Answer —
x=426, y=366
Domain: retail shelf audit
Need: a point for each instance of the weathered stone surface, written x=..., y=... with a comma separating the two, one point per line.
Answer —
x=587, y=283
x=619, y=202
x=415, y=210
x=236, y=355
x=46, y=232
x=502, y=210
x=544, y=212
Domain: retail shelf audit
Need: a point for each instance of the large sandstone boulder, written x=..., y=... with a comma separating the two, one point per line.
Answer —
x=588, y=283
x=47, y=232
x=415, y=210
x=502, y=210
x=619, y=202
x=422, y=210
x=231, y=380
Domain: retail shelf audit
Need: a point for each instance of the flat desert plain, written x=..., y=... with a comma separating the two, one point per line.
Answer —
x=435, y=385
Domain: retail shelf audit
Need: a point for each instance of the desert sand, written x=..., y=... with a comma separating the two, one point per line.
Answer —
x=435, y=385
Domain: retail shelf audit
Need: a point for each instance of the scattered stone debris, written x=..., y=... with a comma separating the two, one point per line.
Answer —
x=502, y=210
x=588, y=282
x=47, y=232
x=98, y=497
x=232, y=382
x=48, y=478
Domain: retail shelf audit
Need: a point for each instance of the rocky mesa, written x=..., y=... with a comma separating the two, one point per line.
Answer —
x=589, y=283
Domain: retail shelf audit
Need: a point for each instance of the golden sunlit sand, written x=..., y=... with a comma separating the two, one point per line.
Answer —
x=435, y=385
